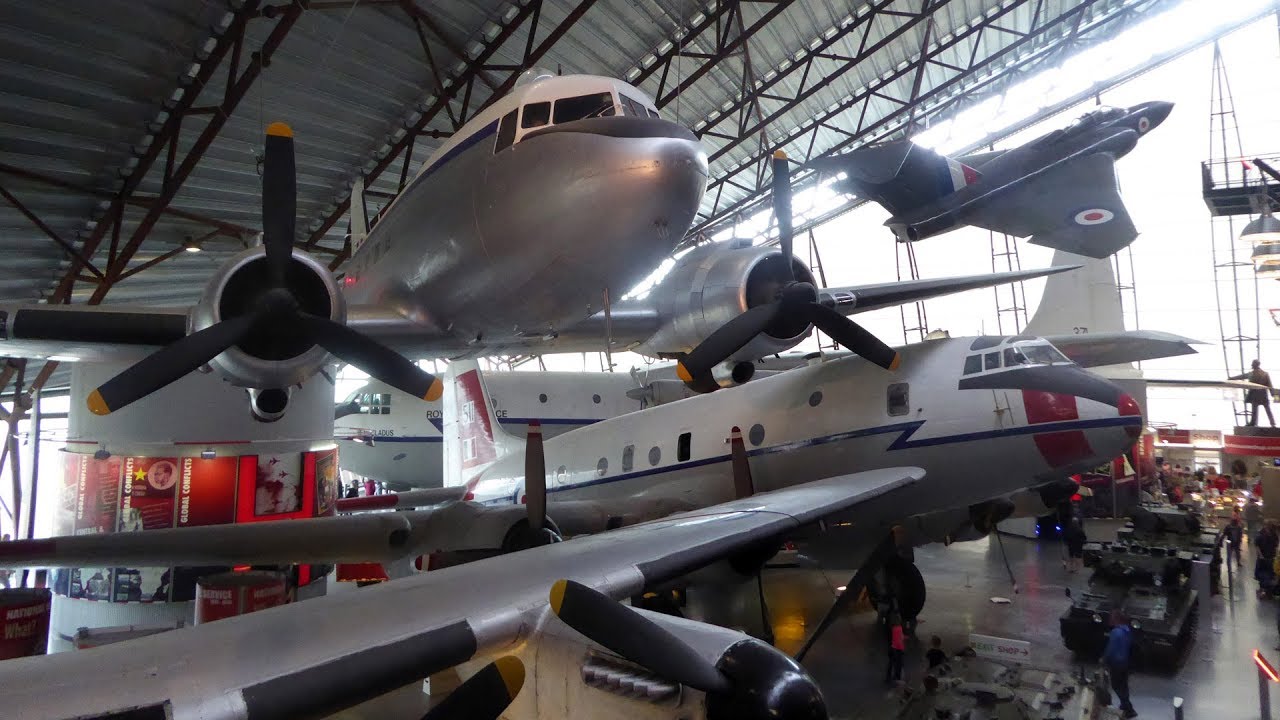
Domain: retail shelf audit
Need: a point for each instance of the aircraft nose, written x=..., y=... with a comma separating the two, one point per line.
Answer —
x=1128, y=407
x=1151, y=114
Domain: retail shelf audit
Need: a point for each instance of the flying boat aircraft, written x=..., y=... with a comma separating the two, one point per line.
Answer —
x=1060, y=189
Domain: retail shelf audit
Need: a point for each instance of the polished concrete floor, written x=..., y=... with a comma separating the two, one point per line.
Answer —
x=1217, y=681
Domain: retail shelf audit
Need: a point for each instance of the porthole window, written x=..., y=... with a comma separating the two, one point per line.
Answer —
x=655, y=455
x=602, y=467
x=561, y=475
x=756, y=434
x=542, y=397
x=815, y=399
x=595, y=398
x=628, y=457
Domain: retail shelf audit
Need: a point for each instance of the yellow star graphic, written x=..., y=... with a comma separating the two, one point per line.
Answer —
x=140, y=475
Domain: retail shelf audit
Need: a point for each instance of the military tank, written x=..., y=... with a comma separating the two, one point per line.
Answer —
x=972, y=687
x=1145, y=574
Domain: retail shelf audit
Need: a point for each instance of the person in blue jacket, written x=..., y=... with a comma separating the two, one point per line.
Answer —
x=1116, y=658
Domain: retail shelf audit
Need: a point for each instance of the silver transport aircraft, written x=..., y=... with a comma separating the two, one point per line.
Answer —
x=825, y=442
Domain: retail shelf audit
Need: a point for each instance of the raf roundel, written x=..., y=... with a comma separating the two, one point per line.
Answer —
x=1143, y=124
x=1093, y=216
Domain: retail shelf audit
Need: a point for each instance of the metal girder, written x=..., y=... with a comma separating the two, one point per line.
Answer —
x=67, y=248
x=1063, y=28
x=723, y=18
x=177, y=173
x=458, y=91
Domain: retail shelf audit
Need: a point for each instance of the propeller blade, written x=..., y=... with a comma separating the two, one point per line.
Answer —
x=279, y=199
x=852, y=336
x=634, y=637
x=373, y=357
x=168, y=364
x=535, y=479
x=782, y=205
x=485, y=695
x=743, y=484
x=725, y=341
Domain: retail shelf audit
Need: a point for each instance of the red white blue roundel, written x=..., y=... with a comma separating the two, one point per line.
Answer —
x=1093, y=216
x=1143, y=124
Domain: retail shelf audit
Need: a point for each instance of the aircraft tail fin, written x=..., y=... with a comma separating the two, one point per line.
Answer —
x=473, y=437
x=1081, y=302
x=900, y=175
x=359, y=222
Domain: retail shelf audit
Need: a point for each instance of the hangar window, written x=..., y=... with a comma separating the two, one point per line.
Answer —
x=655, y=455
x=972, y=364
x=582, y=106
x=899, y=399
x=506, y=132
x=683, y=443
x=756, y=434
x=991, y=361
x=535, y=115
x=628, y=457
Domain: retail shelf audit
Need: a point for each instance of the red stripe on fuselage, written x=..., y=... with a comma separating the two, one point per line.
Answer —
x=1057, y=448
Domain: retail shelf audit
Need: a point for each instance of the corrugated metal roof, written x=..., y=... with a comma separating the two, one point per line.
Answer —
x=85, y=87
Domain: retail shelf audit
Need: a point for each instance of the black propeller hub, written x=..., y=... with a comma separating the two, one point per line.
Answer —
x=766, y=685
x=277, y=336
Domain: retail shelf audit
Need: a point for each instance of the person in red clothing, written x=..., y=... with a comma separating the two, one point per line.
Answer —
x=897, y=649
x=1257, y=490
x=1222, y=484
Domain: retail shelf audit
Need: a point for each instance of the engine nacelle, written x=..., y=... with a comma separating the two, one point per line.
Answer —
x=958, y=524
x=712, y=285
x=268, y=361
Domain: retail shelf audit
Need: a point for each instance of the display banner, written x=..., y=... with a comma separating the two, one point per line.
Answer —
x=207, y=491
x=98, y=498
x=64, y=521
x=25, y=614
x=278, y=485
x=326, y=482
x=149, y=490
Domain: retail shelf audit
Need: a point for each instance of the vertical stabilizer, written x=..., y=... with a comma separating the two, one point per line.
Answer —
x=1079, y=302
x=473, y=437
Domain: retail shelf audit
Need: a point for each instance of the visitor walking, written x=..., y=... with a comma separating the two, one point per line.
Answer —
x=897, y=649
x=1074, y=538
x=1116, y=659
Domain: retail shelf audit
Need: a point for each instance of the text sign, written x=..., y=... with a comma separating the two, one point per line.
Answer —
x=995, y=648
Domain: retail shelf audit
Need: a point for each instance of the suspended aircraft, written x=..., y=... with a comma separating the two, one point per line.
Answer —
x=1060, y=189
x=524, y=218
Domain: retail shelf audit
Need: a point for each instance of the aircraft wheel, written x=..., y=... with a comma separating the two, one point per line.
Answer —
x=906, y=584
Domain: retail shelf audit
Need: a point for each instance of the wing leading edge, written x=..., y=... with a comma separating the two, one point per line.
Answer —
x=317, y=657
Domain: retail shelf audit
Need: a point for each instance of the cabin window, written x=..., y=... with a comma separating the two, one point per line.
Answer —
x=655, y=455
x=815, y=399
x=506, y=132
x=991, y=361
x=582, y=106
x=683, y=443
x=596, y=398
x=375, y=403
x=535, y=115
x=973, y=364
x=542, y=397
x=628, y=457
x=899, y=399
x=561, y=472
x=756, y=434
x=602, y=467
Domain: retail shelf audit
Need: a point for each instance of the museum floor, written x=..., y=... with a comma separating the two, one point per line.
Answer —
x=1218, y=679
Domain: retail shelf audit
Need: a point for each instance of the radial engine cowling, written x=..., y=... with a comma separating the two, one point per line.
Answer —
x=279, y=357
x=714, y=284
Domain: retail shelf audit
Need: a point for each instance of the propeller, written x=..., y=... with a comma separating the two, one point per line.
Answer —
x=751, y=681
x=794, y=300
x=485, y=695
x=274, y=318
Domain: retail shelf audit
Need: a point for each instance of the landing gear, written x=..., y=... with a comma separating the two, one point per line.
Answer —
x=899, y=587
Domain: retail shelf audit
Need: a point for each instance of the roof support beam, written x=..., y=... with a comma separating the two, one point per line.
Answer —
x=229, y=37
x=1050, y=34
x=67, y=247
x=527, y=16
x=234, y=94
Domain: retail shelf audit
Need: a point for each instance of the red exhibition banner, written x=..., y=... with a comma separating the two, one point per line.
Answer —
x=149, y=490
x=276, y=487
x=64, y=520
x=25, y=615
x=99, y=497
x=207, y=491
x=326, y=482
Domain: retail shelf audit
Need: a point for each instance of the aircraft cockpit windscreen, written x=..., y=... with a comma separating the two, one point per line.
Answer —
x=1016, y=353
x=1034, y=353
x=582, y=107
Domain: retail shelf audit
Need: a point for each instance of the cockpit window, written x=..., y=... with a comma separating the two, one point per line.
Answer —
x=653, y=113
x=583, y=106
x=631, y=107
x=1042, y=354
x=1013, y=357
x=991, y=361
x=535, y=115
x=506, y=132
x=973, y=364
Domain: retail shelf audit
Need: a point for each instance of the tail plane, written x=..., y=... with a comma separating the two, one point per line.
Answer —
x=473, y=437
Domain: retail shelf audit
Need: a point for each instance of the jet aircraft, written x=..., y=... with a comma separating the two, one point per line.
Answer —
x=1059, y=189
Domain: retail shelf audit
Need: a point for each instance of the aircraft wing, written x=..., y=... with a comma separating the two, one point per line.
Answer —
x=1075, y=207
x=92, y=333
x=863, y=298
x=317, y=657
x=1119, y=348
